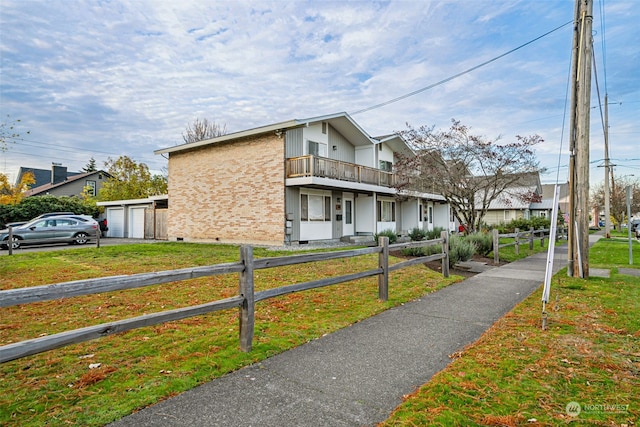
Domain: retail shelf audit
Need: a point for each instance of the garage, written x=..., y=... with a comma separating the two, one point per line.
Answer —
x=130, y=218
x=136, y=222
x=115, y=221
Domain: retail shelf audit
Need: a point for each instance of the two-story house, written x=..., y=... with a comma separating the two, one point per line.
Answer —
x=322, y=178
x=59, y=182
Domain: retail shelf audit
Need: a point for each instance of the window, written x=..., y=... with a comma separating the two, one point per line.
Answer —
x=324, y=128
x=348, y=212
x=317, y=149
x=421, y=213
x=315, y=207
x=386, y=165
x=91, y=190
x=386, y=211
x=430, y=214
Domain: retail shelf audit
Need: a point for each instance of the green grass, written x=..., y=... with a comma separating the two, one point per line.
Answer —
x=144, y=366
x=516, y=374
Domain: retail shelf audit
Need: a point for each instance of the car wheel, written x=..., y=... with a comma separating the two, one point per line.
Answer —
x=81, y=238
x=15, y=245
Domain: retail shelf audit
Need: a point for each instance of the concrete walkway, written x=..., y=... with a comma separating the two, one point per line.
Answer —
x=358, y=375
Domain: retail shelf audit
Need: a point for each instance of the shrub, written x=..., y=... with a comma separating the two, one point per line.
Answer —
x=388, y=233
x=423, y=250
x=417, y=234
x=482, y=241
x=460, y=250
x=524, y=224
x=417, y=252
x=435, y=233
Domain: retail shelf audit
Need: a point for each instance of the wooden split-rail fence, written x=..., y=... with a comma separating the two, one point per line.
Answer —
x=245, y=300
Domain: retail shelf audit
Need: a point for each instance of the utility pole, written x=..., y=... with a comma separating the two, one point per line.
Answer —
x=607, y=165
x=579, y=141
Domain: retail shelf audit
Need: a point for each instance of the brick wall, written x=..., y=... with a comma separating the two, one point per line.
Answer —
x=229, y=193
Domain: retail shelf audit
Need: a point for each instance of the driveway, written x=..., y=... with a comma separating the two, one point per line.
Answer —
x=105, y=241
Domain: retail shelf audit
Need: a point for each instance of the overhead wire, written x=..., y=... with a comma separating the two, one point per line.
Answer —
x=455, y=76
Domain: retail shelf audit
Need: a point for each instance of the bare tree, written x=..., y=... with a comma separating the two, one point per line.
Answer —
x=468, y=170
x=203, y=129
x=9, y=132
x=618, y=198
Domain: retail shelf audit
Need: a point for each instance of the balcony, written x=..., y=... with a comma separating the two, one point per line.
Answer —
x=308, y=166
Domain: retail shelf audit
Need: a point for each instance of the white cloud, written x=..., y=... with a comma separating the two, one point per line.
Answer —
x=126, y=77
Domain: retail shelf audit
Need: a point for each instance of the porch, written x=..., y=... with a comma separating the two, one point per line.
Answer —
x=323, y=167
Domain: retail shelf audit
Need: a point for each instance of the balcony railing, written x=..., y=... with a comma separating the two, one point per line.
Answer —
x=323, y=167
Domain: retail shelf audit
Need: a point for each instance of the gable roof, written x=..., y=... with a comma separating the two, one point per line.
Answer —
x=342, y=122
x=42, y=176
x=47, y=187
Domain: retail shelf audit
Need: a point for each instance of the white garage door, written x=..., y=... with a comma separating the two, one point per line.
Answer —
x=115, y=222
x=136, y=223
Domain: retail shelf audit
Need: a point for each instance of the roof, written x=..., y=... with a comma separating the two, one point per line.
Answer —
x=548, y=190
x=509, y=199
x=146, y=200
x=545, y=204
x=42, y=176
x=342, y=122
x=46, y=187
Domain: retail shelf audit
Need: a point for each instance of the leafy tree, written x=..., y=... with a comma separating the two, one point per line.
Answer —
x=130, y=180
x=13, y=194
x=31, y=207
x=91, y=166
x=203, y=129
x=618, y=198
x=469, y=171
x=9, y=133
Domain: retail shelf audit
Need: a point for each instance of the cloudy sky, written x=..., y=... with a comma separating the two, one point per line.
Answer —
x=104, y=78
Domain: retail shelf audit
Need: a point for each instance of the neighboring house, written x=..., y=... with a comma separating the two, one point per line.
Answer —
x=322, y=178
x=46, y=176
x=63, y=183
x=137, y=218
x=510, y=204
x=545, y=207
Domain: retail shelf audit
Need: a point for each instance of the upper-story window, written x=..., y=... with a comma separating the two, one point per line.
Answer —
x=91, y=187
x=386, y=166
x=317, y=148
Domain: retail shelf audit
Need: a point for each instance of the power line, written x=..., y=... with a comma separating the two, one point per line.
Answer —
x=448, y=79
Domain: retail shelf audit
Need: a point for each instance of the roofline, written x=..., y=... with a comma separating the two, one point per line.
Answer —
x=289, y=124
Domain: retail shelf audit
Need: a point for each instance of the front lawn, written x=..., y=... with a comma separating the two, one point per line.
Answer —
x=99, y=381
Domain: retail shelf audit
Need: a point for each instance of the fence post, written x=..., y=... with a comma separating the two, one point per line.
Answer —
x=383, y=263
x=10, y=241
x=531, y=236
x=445, y=250
x=542, y=237
x=496, y=246
x=517, y=241
x=247, y=314
x=98, y=233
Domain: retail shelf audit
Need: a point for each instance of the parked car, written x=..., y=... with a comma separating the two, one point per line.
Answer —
x=72, y=229
x=44, y=215
x=634, y=224
x=637, y=232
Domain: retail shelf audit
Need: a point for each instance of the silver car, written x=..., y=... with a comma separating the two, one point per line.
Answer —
x=56, y=229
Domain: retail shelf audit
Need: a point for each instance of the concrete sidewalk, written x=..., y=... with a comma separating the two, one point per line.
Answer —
x=357, y=375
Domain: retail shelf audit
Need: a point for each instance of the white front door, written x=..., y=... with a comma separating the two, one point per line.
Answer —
x=348, y=228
